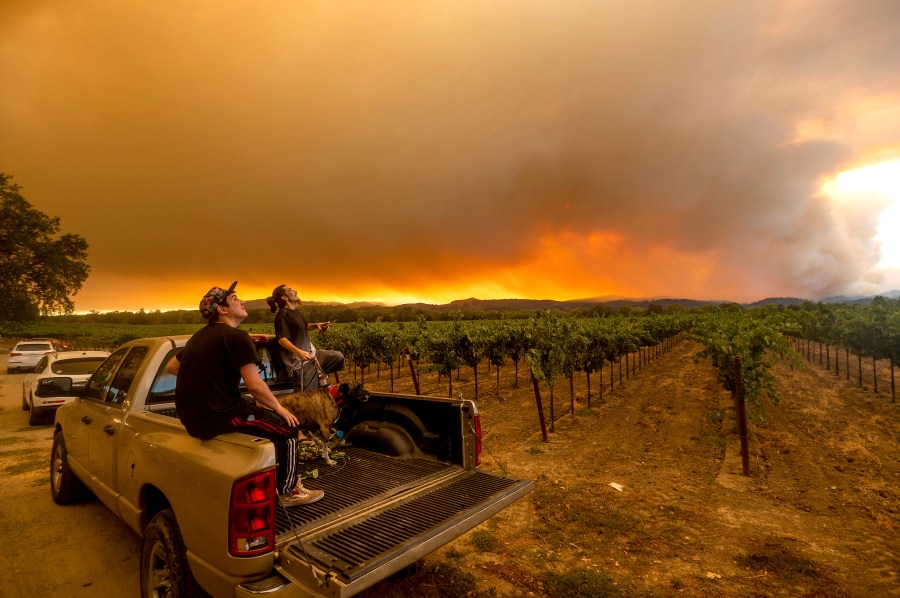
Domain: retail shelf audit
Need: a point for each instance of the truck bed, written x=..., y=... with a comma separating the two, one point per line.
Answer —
x=406, y=508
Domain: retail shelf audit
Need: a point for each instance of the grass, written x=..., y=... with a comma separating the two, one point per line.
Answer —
x=580, y=583
x=786, y=567
x=775, y=557
x=716, y=415
x=573, y=511
x=13, y=440
x=564, y=513
x=439, y=580
x=484, y=541
x=671, y=511
x=17, y=452
x=31, y=461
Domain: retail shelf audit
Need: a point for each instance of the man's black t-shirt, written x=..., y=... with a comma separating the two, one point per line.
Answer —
x=290, y=324
x=207, y=392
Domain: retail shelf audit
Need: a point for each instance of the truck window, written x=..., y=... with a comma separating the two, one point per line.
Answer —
x=163, y=389
x=118, y=390
x=265, y=365
x=271, y=368
x=99, y=382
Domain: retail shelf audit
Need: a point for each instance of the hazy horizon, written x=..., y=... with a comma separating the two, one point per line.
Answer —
x=599, y=300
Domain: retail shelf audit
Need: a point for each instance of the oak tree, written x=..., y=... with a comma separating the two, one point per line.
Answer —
x=39, y=268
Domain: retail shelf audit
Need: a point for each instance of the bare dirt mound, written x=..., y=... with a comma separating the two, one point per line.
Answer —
x=643, y=493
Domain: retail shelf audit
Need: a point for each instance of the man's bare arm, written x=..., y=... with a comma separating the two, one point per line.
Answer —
x=173, y=366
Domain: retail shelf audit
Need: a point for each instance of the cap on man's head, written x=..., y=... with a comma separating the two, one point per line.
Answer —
x=215, y=296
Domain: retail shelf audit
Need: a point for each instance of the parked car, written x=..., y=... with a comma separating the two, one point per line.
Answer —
x=42, y=391
x=58, y=344
x=26, y=355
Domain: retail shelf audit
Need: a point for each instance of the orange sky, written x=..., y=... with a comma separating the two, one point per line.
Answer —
x=431, y=151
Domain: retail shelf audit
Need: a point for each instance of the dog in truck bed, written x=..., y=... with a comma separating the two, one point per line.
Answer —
x=318, y=410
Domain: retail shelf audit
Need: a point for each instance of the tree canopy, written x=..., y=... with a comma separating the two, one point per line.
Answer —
x=39, y=268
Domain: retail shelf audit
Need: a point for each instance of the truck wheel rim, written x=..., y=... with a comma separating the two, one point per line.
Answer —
x=57, y=468
x=158, y=580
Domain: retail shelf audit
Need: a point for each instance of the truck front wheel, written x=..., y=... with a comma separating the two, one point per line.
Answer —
x=164, y=567
x=65, y=487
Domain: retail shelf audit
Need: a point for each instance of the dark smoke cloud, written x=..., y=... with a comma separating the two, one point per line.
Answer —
x=408, y=139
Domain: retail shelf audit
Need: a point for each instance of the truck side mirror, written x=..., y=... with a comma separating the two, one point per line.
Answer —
x=54, y=387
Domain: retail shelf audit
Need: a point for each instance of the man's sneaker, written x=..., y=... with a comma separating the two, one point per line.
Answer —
x=301, y=496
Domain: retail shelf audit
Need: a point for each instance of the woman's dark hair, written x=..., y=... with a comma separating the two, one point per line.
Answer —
x=276, y=301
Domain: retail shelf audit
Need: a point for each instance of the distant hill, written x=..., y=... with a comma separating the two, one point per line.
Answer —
x=254, y=304
x=776, y=301
x=516, y=304
x=662, y=302
x=858, y=299
x=474, y=304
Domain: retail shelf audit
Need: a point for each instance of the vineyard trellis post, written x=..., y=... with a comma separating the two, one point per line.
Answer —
x=741, y=414
x=412, y=372
x=837, y=361
x=612, y=376
x=588, y=378
x=540, y=407
x=600, y=372
x=874, y=375
x=552, y=411
x=893, y=390
x=859, y=365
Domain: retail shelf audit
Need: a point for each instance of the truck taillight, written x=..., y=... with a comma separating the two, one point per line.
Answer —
x=14, y=353
x=251, y=520
x=477, y=440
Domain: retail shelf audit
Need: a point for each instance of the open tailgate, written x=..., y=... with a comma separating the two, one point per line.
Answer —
x=358, y=535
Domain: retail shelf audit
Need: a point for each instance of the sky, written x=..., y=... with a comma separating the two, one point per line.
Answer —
x=405, y=151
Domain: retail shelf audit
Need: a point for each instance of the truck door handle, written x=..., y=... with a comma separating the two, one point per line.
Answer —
x=109, y=430
x=86, y=420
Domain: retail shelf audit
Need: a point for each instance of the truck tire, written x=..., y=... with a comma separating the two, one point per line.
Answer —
x=164, y=566
x=65, y=487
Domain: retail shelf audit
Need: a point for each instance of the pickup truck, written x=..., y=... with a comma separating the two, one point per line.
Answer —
x=207, y=510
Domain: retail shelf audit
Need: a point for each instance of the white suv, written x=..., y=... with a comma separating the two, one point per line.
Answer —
x=53, y=380
x=26, y=354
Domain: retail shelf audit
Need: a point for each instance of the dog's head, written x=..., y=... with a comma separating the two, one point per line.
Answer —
x=357, y=394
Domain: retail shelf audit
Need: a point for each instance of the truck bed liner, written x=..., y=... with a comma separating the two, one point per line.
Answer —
x=448, y=502
x=365, y=478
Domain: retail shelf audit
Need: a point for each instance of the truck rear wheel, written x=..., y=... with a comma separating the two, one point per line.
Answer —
x=65, y=487
x=164, y=567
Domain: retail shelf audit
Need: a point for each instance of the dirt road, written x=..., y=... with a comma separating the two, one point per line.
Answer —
x=48, y=550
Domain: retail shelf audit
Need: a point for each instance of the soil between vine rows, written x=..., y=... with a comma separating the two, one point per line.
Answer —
x=818, y=516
